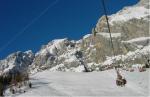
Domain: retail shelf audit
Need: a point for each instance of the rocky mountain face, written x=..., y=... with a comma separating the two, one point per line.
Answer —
x=131, y=22
x=130, y=34
x=60, y=54
x=129, y=28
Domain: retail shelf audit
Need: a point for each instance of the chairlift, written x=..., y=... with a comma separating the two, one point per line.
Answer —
x=120, y=81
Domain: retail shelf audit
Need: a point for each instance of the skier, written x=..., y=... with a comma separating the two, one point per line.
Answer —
x=120, y=81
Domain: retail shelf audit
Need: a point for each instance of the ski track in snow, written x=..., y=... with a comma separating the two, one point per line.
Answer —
x=86, y=84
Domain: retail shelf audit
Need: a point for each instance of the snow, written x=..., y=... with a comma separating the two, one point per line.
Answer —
x=130, y=55
x=53, y=69
x=6, y=67
x=9, y=68
x=69, y=55
x=64, y=52
x=52, y=47
x=129, y=13
x=107, y=35
x=109, y=61
x=79, y=41
x=136, y=66
x=140, y=39
x=87, y=36
x=78, y=69
x=87, y=84
x=16, y=61
x=91, y=64
x=71, y=59
x=28, y=52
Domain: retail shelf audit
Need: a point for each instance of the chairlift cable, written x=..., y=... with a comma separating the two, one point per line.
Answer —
x=119, y=77
x=105, y=12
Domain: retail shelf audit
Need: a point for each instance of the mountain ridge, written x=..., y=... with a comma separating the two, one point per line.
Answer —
x=91, y=52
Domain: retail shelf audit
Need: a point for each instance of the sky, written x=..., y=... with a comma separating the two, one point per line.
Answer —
x=29, y=24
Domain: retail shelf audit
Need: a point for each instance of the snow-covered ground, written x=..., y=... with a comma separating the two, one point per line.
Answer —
x=98, y=84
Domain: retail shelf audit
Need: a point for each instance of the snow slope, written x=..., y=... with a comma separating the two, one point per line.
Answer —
x=87, y=84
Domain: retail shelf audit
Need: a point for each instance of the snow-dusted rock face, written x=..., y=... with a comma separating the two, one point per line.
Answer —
x=128, y=13
x=18, y=61
x=130, y=32
x=58, y=55
x=131, y=22
x=138, y=56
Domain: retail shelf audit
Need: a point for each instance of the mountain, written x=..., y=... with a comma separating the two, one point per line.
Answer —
x=130, y=31
x=130, y=34
x=18, y=61
x=59, y=54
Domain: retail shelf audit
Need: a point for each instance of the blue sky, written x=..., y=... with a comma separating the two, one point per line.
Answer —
x=28, y=24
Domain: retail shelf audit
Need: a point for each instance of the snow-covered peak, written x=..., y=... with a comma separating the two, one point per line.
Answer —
x=53, y=47
x=57, y=42
x=138, y=11
x=128, y=13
